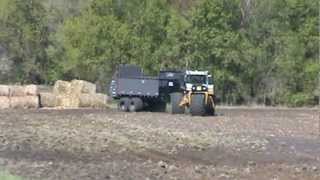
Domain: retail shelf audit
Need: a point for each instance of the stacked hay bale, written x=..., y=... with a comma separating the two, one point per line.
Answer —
x=74, y=94
x=25, y=97
x=4, y=97
x=19, y=97
x=93, y=100
x=4, y=102
x=48, y=100
x=65, y=97
x=4, y=90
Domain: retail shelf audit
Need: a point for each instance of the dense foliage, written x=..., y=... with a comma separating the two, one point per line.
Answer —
x=260, y=51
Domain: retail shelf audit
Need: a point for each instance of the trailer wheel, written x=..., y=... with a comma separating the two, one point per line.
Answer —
x=124, y=104
x=197, y=107
x=175, y=99
x=136, y=104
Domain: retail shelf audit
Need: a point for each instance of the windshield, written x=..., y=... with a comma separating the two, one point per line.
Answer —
x=196, y=79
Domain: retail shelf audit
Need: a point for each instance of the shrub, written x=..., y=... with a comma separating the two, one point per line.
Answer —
x=299, y=100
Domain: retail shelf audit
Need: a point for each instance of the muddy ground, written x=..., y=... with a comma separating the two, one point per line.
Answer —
x=239, y=143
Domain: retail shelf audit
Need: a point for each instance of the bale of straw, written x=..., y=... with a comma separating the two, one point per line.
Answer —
x=83, y=87
x=4, y=102
x=32, y=102
x=31, y=90
x=4, y=90
x=68, y=101
x=85, y=100
x=62, y=101
x=48, y=100
x=25, y=102
x=17, y=91
x=93, y=100
x=45, y=89
x=101, y=100
x=62, y=87
x=74, y=101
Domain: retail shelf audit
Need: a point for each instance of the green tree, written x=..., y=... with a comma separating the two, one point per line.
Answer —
x=105, y=35
x=93, y=46
x=282, y=50
x=24, y=35
x=214, y=44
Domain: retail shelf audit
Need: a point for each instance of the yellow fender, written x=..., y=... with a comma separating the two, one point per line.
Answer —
x=186, y=100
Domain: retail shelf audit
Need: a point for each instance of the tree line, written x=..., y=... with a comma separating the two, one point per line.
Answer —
x=259, y=51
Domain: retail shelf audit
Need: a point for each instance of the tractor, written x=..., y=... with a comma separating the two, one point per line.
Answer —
x=175, y=91
x=197, y=95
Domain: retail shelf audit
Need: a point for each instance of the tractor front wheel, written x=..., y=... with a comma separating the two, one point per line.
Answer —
x=197, y=106
x=211, y=106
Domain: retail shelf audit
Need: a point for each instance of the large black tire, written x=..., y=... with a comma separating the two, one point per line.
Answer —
x=212, y=111
x=123, y=104
x=175, y=99
x=210, y=108
x=197, y=107
x=136, y=104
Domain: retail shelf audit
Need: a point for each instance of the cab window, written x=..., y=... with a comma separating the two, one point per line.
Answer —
x=196, y=79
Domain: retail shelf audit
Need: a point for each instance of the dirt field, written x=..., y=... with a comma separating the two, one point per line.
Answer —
x=239, y=143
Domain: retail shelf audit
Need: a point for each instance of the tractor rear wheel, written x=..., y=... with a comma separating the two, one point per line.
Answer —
x=175, y=99
x=123, y=104
x=136, y=104
x=197, y=106
x=210, y=107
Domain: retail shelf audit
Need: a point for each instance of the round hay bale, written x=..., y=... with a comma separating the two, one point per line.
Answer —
x=4, y=90
x=31, y=90
x=17, y=91
x=93, y=100
x=68, y=101
x=48, y=100
x=83, y=87
x=25, y=102
x=62, y=87
x=4, y=102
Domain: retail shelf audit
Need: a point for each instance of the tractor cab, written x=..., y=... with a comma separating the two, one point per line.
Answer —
x=198, y=81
